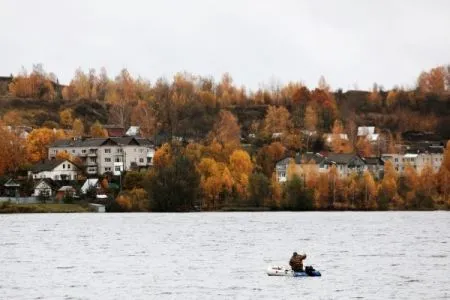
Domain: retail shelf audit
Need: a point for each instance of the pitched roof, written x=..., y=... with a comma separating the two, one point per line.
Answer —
x=373, y=160
x=97, y=142
x=47, y=165
x=308, y=157
x=114, y=130
x=52, y=184
x=341, y=158
x=91, y=182
x=133, y=131
x=11, y=183
x=284, y=161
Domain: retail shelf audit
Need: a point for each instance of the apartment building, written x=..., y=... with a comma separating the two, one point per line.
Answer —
x=416, y=160
x=112, y=154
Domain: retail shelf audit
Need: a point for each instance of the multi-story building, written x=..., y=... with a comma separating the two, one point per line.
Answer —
x=112, y=154
x=416, y=160
x=304, y=164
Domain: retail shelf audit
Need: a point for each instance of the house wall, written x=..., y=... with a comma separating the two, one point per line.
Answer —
x=418, y=162
x=301, y=170
x=65, y=169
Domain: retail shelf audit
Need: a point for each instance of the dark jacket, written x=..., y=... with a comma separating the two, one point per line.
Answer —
x=296, y=262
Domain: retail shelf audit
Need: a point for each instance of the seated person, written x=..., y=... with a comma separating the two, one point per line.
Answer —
x=296, y=262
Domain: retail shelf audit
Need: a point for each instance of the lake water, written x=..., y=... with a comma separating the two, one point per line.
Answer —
x=362, y=255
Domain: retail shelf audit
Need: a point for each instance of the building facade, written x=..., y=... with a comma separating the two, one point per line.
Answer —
x=103, y=155
x=416, y=160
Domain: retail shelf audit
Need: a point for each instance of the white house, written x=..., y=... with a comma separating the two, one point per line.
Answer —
x=43, y=187
x=56, y=169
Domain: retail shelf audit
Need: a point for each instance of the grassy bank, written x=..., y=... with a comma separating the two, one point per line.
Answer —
x=10, y=208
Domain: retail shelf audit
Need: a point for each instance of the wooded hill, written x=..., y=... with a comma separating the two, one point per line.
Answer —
x=189, y=105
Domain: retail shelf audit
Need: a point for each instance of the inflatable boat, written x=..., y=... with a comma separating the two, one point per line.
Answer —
x=287, y=271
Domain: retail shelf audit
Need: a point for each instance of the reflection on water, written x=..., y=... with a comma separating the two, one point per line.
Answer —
x=361, y=255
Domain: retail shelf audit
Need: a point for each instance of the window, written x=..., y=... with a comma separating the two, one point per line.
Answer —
x=396, y=159
x=119, y=150
x=83, y=151
x=117, y=159
x=68, y=166
x=64, y=166
x=107, y=169
x=107, y=159
x=141, y=160
x=117, y=168
x=108, y=150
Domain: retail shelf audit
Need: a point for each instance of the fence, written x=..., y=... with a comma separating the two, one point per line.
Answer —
x=20, y=200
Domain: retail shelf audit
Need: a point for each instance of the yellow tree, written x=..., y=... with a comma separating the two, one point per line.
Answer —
x=215, y=179
x=240, y=167
x=37, y=142
x=364, y=147
x=277, y=120
x=65, y=117
x=12, y=118
x=78, y=127
x=276, y=192
x=209, y=181
x=226, y=130
x=370, y=191
x=391, y=98
x=64, y=155
x=144, y=116
x=434, y=81
x=12, y=149
x=388, y=187
x=411, y=182
x=427, y=184
x=97, y=130
x=322, y=192
x=443, y=176
x=120, y=96
x=163, y=156
x=352, y=190
x=374, y=97
x=338, y=143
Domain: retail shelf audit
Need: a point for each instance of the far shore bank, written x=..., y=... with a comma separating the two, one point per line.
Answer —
x=12, y=208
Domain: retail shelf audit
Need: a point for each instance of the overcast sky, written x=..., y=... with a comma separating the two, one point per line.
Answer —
x=351, y=43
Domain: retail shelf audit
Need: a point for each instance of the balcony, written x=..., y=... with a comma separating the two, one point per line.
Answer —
x=91, y=163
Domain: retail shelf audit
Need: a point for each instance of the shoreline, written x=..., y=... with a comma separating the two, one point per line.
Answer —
x=12, y=208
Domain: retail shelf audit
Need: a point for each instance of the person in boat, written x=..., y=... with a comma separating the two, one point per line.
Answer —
x=296, y=262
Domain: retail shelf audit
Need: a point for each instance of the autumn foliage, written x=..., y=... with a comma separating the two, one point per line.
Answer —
x=229, y=138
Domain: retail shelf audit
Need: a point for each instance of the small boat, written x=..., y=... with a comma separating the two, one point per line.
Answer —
x=287, y=271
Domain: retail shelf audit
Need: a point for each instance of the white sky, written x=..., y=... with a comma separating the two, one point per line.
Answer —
x=349, y=42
